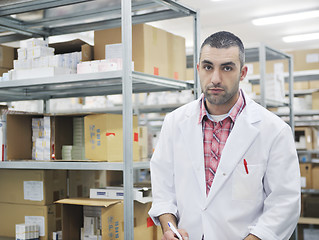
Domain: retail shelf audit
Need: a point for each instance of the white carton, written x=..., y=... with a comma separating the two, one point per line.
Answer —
x=142, y=195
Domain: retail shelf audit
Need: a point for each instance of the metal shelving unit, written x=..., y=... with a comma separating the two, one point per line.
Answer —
x=262, y=53
x=93, y=84
x=60, y=165
x=71, y=16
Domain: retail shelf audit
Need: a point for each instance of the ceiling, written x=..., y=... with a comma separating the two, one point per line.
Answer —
x=236, y=15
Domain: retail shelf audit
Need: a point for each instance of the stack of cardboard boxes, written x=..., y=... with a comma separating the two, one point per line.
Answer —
x=28, y=197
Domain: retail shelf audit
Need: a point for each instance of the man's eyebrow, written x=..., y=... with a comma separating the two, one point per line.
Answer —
x=228, y=63
x=223, y=64
x=207, y=62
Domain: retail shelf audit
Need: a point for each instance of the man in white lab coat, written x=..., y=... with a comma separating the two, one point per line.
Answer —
x=225, y=168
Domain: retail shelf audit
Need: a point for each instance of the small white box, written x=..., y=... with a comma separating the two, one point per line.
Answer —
x=41, y=72
x=142, y=195
x=113, y=51
x=39, y=51
x=22, y=53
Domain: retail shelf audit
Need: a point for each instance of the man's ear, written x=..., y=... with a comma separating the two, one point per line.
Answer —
x=243, y=72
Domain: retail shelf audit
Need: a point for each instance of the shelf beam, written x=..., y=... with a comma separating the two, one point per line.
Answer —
x=28, y=6
x=59, y=165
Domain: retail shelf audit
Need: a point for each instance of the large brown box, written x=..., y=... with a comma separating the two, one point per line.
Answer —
x=306, y=175
x=19, y=136
x=48, y=217
x=176, y=57
x=314, y=84
x=315, y=177
x=300, y=60
x=112, y=219
x=315, y=100
x=149, y=47
x=104, y=137
x=311, y=207
x=81, y=181
x=6, y=57
x=30, y=186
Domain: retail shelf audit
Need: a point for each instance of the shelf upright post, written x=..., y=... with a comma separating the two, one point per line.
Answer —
x=197, y=88
x=126, y=11
x=262, y=70
x=291, y=94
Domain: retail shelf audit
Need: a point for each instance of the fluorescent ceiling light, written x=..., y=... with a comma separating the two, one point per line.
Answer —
x=301, y=37
x=286, y=18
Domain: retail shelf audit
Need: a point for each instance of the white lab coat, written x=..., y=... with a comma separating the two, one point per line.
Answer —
x=264, y=202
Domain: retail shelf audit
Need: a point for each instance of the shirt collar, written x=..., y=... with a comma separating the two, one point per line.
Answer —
x=233, y=112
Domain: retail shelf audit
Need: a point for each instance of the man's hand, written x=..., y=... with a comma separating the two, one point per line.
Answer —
x=167, y=232
x=169, y=235
x=251, y=237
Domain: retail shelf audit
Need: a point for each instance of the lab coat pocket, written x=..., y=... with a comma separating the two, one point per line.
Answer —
x=247, y=186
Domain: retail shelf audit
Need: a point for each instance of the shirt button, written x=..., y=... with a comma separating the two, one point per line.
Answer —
x=224, y=174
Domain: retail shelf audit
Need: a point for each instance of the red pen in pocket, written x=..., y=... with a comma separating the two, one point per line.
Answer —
x=245, y=165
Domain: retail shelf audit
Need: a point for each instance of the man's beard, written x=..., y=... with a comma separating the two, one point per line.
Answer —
x=222, y=98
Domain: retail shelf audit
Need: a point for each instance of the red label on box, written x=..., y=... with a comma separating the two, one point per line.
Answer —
x=156, y=71
x=110, y=134
x=150, y=222
x=176, y=75
x=135, y=137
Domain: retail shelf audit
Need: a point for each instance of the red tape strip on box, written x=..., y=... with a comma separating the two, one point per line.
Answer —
x=110, y=134
x=156, y=71
x=135, y=137
x=150, y=222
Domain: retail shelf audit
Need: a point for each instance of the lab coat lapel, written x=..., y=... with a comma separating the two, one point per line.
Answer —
x=193, y=141
x=241, y=137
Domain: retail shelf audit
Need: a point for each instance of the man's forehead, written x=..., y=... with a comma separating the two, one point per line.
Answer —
x=209, y=53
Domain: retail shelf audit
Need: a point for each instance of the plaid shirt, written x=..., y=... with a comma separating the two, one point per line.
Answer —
x=215, y=135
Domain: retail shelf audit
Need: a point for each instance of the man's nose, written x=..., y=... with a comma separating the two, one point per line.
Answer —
x=215, y=77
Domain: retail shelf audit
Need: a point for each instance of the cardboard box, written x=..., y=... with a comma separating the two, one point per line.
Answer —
x=104, y=137
x=304, y=138
x=306, y=175
x=300, y=85
x=149, y=47
x=82, y=181
x=87, y=52
x=3, y=70
x=315, y=100
x=143, y=142
x=112, y=219
x=176, y=57
x=48, y=217
x=6, y=57
x=315, y=177
x=314, y=84
x=305, y=59
x=311, y=207
x=190, y=74
x=32, y=187
x=19, y=136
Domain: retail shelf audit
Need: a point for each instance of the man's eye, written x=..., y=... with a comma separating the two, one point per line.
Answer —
x=228, y=68
x=207, y=67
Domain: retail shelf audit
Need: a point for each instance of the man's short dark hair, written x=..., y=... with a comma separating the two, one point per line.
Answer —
x=225, y=39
